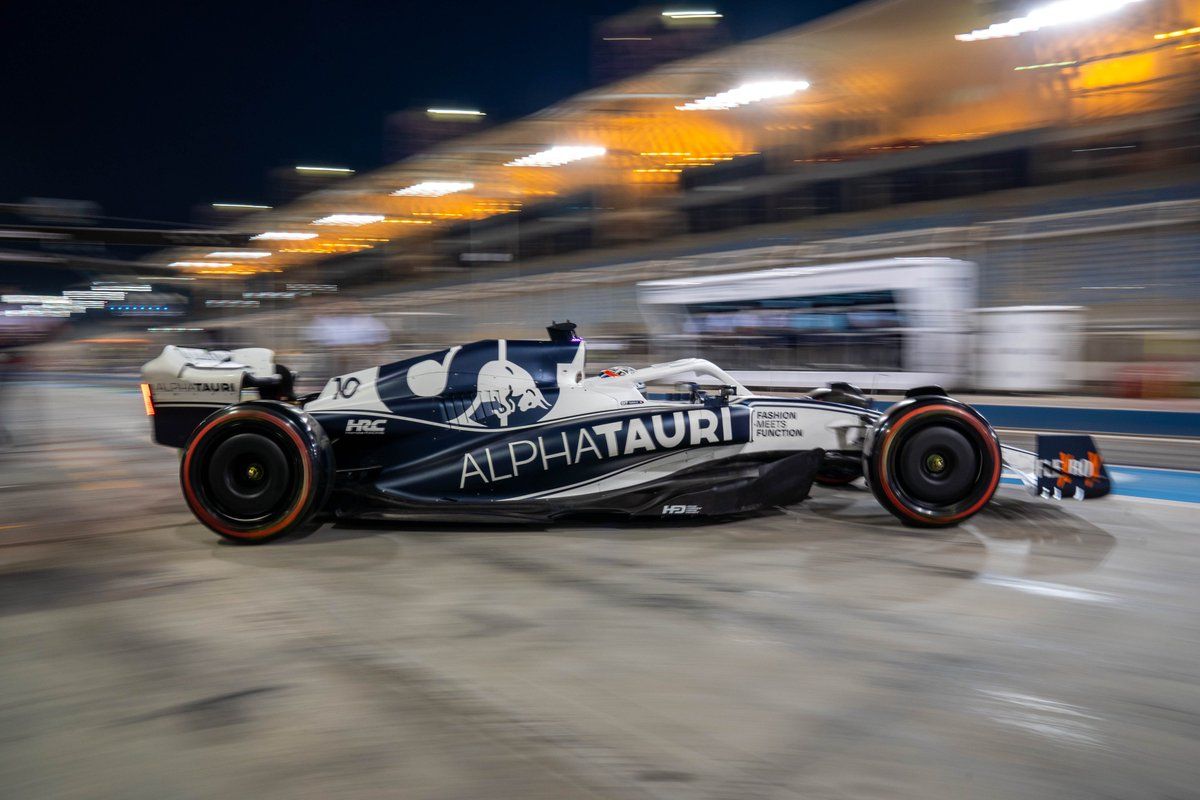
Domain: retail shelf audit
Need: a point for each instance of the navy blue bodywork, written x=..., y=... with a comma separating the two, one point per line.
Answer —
x=448, y=455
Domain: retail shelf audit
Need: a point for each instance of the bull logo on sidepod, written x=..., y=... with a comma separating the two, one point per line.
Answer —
x=504, y=389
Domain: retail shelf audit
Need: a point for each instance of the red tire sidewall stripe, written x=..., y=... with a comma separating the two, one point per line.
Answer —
x=212, y=521
x=974, y=422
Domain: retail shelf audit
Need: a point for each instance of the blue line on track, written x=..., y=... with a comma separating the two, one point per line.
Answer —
x=1148, y=482
x=1068, y=419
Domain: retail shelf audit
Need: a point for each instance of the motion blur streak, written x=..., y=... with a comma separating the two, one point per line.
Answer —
x=998, y=198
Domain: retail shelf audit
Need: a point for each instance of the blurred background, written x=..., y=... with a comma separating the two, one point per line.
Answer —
x=1055, y=153
x=998, y=196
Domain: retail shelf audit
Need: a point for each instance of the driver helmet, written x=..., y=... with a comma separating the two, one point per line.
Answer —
x=617, y=372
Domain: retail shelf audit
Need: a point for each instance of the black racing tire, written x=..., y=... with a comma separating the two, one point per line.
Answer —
x=257, y=471
x=933, y=462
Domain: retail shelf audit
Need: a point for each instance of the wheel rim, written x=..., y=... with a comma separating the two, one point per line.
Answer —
x=248, y=477
x=937, y=464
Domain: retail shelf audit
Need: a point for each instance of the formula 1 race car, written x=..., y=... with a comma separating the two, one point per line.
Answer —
x=502, y=430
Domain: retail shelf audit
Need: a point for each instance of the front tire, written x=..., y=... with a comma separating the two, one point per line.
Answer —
x=256, y=471
x=933, y=462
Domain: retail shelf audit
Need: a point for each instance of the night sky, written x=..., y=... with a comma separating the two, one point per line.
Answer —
x=151, y=108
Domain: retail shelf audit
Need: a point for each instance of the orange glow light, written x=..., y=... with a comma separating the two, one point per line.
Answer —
x=147, y=400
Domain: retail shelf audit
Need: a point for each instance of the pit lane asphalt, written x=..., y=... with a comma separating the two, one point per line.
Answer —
x=1041, y=650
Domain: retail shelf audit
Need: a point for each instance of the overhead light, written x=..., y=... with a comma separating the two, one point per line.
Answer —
x=228, y=303
x=312, y=287
x=456, y=112
x=200, y=264
x=103, y=286
x=337, y=170
x=1177, y=34
x=248, y=206
x=557, y=156
x=1047, y=65
x=88, y=294
x=708, y=14
x=433, y=189
x=240, y=254
x=29, y=298
x=1061, y=12
x=349, y=219
x=284, y=236
x=746, y=93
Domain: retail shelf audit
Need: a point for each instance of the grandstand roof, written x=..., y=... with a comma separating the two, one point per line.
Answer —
x=881, y=75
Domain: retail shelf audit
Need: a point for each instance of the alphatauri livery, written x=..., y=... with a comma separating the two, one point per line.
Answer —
x=509, y=430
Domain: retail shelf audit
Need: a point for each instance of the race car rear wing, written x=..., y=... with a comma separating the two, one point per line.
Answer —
x=1064, y=466
x=182, y=386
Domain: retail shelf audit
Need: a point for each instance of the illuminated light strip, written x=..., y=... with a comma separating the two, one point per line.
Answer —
x=284, y=236
x=147, y=400
x=119, y=287
x=1058, y=13
x=254, y=206
x=692, y=14
x=456, y=112
x=557, y=156
x=29, y=298
x=240, y=254
x=1177, y=34
x=745, y=94
x=338, y=170
x=348, y=219
x=200, y=264
x=1046, y=66
x=326, y=248
x=433, y=189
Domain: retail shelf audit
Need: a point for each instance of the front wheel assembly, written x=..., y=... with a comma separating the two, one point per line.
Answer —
x=932, y=461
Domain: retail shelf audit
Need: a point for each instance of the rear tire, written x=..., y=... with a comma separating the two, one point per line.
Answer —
x=933, y=462
x=257, y=471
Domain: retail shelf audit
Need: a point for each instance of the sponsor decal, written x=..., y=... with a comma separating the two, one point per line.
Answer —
x=194, y=387
x=680, y=509
x=1066, y=467
x=366, y=426
x=590, y=444
x=776, y=423
x=1060, y=472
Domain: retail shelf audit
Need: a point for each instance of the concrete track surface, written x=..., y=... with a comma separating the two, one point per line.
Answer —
x=824, y=652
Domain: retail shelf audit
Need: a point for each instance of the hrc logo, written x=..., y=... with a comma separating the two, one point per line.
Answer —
x=366, y=426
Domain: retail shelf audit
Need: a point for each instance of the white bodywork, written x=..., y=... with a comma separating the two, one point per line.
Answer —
x=185, y=376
